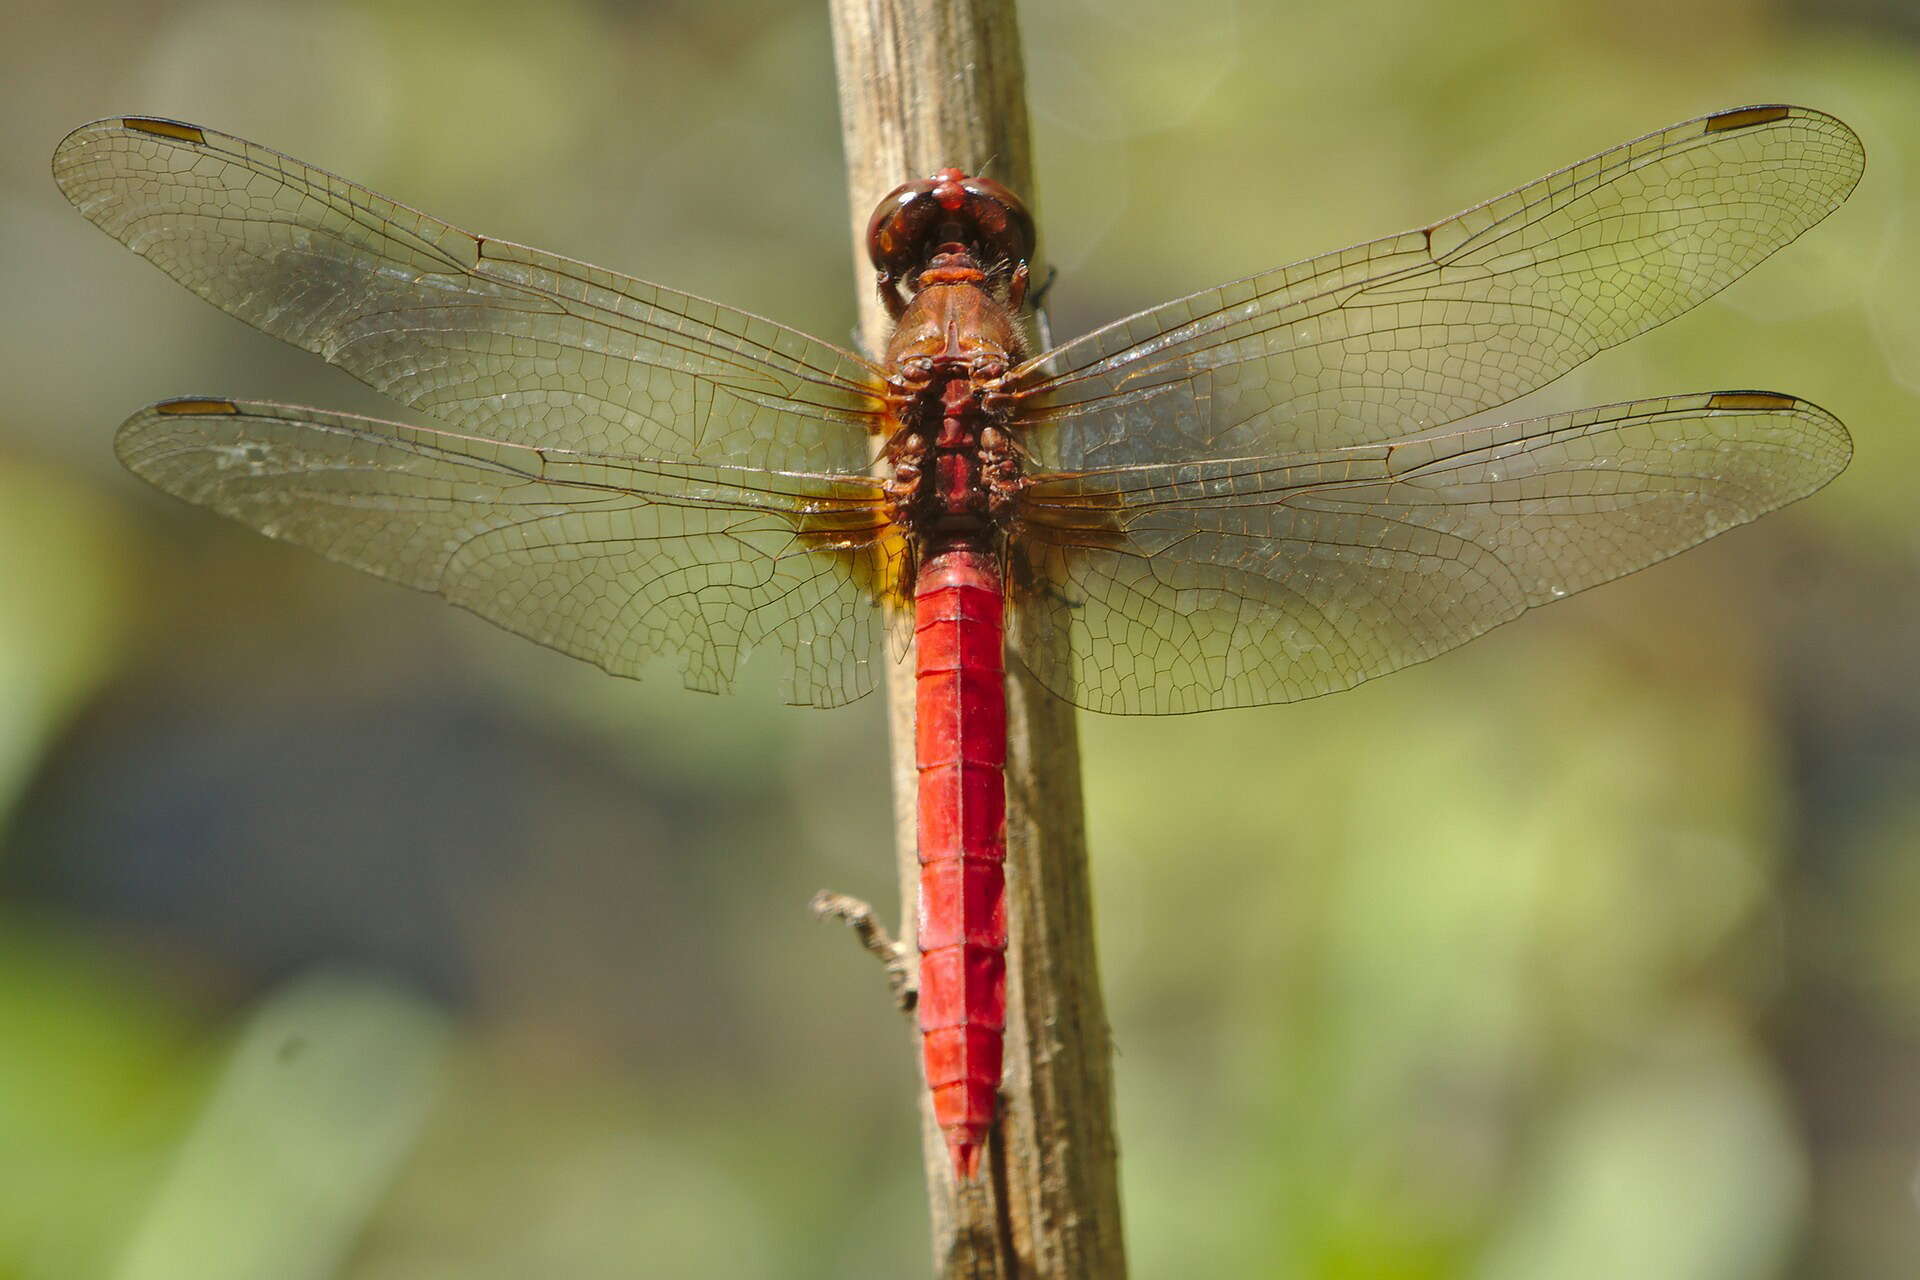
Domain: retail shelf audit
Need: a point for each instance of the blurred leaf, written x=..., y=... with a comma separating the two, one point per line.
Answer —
x=320, y=1099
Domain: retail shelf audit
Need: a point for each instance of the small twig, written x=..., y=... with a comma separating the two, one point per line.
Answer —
x=896, y=956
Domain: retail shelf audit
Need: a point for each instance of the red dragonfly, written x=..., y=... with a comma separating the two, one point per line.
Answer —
x=1266, y=491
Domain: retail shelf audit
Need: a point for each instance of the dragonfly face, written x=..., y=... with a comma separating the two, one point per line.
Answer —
x=1265, y=491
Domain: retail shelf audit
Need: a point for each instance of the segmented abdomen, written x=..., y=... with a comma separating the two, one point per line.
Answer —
x=961, y=754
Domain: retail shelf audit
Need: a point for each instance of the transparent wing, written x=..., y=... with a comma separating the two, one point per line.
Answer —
x=485, y=336
x=1410, y=333
x=1241, y=581
x=609, y=558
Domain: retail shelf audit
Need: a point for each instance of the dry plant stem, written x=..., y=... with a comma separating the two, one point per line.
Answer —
x=925, y=84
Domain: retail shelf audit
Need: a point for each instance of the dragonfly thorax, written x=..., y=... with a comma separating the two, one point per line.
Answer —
x=954, y=471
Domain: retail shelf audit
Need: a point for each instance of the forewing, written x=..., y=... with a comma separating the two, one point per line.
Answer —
x=486, y=336
x=1413, y=332
x=1243, y=581
x=609, y=558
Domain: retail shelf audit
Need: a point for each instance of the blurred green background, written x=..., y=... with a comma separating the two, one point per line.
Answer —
x=343, y=935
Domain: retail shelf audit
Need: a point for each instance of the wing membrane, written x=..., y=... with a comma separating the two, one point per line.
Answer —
x=1248, y=502
x=486, y=336
x=606, y=557
x=1412, y=332
x=1235, y=582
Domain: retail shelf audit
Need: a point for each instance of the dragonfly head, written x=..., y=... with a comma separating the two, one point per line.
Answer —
x=917, y=220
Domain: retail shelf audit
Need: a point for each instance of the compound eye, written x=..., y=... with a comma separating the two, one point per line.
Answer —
x=988, y=189
x=1002, y=218
x=897, y=226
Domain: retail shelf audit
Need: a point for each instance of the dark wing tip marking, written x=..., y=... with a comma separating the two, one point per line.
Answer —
x=1744, y=118
x=175, y=129
x=196, y=407
x=1753, y=400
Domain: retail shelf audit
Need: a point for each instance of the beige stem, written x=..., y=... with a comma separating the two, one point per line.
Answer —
x=927, y=84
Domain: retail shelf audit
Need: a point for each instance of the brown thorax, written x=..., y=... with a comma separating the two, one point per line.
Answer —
x=958, y=247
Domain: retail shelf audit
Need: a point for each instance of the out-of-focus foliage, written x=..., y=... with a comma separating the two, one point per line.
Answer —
x=1587, y=951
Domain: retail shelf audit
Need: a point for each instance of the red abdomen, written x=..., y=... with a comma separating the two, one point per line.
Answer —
x=961, y=755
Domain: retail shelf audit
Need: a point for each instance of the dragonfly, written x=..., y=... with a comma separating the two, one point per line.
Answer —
x=1265, y=491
